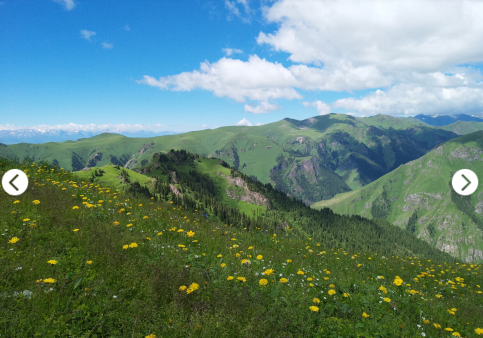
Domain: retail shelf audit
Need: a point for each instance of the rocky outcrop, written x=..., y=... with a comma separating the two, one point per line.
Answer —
x=244, y=194
x=175, y=190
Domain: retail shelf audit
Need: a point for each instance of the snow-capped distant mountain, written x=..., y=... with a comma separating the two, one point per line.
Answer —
x=444, y=120
x=43, y=136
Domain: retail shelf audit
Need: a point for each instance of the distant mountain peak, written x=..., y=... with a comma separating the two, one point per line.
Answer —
x=444, y=120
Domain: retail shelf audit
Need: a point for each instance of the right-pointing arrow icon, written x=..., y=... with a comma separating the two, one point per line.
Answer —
x=464, y=182
x=467, y=184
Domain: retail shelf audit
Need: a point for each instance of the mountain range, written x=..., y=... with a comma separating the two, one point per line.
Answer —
x=312, y=159
x=38, y=135
x=444, y=120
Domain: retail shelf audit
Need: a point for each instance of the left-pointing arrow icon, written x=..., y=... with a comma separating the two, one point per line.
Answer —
x=21, y=182
x=11, y=182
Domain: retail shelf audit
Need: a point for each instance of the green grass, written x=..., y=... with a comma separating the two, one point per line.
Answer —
x=103, y=290
x=111, y=177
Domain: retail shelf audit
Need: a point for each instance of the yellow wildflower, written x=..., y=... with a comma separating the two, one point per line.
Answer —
x=192, y=287
x=398, y=281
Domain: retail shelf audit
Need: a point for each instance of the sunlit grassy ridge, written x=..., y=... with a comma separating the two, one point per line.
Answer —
x=81, y=260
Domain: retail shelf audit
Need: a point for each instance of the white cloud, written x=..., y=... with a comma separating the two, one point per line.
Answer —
x=392, y=35
x=230, y=51
x=68, y=4
x=322, y=107
x=231, y=6
x=243, y=122
x=233, y=9
x=87, y=34
x=204, y=126
x=127, y=28
x=263, y=107
x=412, y=99
x=89, y=127
x=261, y=80
x=255, y=79
x=106, y=45
x=259, y=124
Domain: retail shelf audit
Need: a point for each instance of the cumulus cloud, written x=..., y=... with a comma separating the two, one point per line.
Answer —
x=204, y=126
x=243, y=122
x=256, y=79
x=87, y=34
x=259, y=124
x=409, y=35
x=262, y=108
x=106, y=45
x=322, y=107
x=230, y=51
x=261, y=80
x=412, y=99
x=402, y=47
x=68, y=4
x=73, y=127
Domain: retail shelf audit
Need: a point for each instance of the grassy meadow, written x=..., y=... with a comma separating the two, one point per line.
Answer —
x=84, y=260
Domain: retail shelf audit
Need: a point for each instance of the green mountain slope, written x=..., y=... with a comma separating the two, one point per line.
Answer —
x=418, y=197
x=463, y=127
x=311, y=160
x=211, y=186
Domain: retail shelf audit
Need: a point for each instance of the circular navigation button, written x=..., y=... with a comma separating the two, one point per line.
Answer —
x=465, y=182
x=15, y=182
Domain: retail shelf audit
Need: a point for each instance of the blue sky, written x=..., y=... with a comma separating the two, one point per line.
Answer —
x=189, y=65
